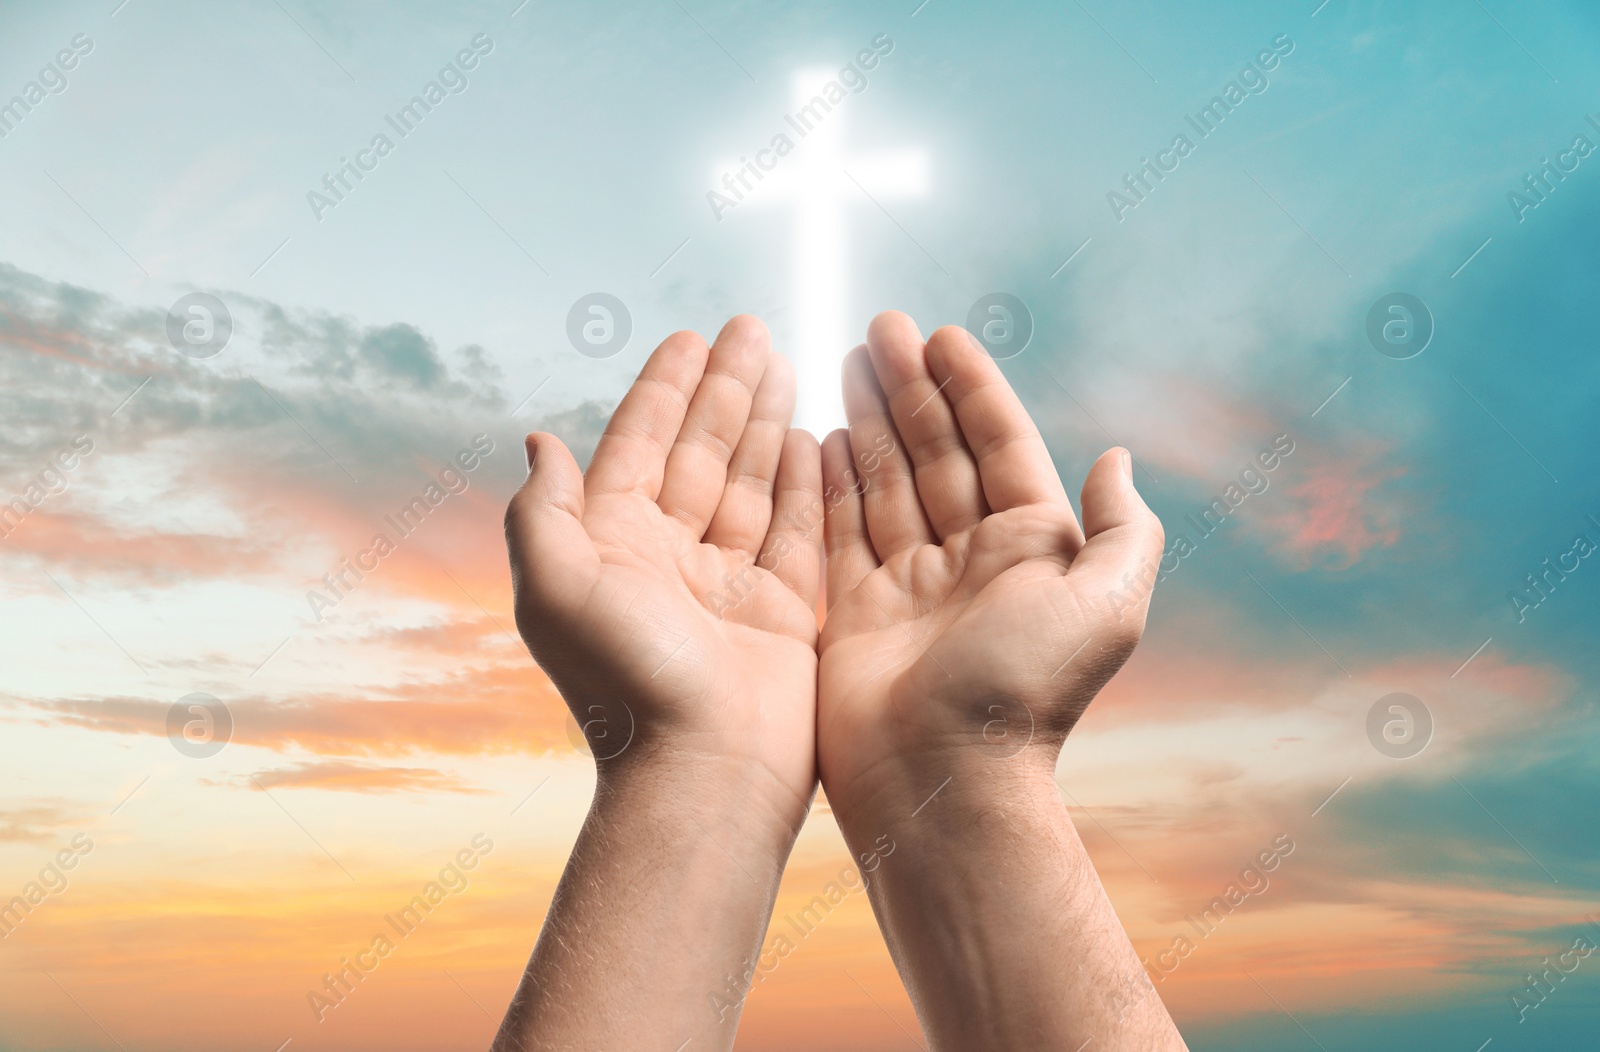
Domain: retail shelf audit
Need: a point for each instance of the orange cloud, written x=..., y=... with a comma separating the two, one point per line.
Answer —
x=511, y=710
x=31, y=823
x=348, y=776
x=90, y=545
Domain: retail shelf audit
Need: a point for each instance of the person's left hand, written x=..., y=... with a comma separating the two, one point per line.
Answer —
x=669, y=592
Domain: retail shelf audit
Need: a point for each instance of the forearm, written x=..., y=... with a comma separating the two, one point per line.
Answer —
x=995, y=916
x=666, y=896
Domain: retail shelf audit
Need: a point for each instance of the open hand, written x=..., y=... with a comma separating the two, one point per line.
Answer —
x=968, y=618
x=670, y=591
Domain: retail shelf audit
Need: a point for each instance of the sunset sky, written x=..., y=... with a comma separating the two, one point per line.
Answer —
x=375, y=340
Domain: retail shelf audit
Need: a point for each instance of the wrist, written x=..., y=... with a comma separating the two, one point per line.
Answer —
x=680, y=758
x=988, y=762
x=952, y=796
x=734, y=800
x=993, y=912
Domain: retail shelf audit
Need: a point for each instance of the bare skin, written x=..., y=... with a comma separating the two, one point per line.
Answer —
x=970, y=622
x=670, y=594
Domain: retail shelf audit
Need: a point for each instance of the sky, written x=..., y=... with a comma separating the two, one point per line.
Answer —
x=1386, y=172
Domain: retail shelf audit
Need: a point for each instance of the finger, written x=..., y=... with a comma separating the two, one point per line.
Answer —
x=946, y=473
x=745, y=510
x=889, y=489
x=553, y=561
x=1012, y=459
x=849, y=550
x=792, y=551
x=1120, y=559
x=697, y=466
x=632, y=454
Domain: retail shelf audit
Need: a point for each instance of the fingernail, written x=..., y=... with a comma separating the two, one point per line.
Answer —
x=1127, y=464
x=528, y=447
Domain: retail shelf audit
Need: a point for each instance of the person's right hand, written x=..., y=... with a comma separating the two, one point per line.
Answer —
x=669, y=592
x=968, y=618
x=970, y=621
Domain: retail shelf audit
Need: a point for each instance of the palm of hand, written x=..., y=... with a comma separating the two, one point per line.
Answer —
x=978, y=626
x=714, y=647
x=668, y=592
x=915, y=654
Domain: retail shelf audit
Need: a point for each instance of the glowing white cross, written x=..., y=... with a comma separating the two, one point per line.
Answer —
x=819, y=180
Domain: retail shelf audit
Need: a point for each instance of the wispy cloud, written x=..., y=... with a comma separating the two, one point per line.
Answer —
x=351, y=777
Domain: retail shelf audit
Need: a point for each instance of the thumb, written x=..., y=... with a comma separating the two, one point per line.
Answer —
x=552, y=557
x=1122, y=553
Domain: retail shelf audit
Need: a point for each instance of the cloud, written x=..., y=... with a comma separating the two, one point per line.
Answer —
x=402, y=352
x=95, y=546
x=351, y=777
x=579, y=427
x=338, y=422
x=32, y=823
x=514, y=709
x=1338, y=511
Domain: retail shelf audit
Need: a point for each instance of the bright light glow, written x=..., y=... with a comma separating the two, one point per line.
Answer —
x=820, y=180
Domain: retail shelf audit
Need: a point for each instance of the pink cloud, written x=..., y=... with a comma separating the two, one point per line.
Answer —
x=1340, y=515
